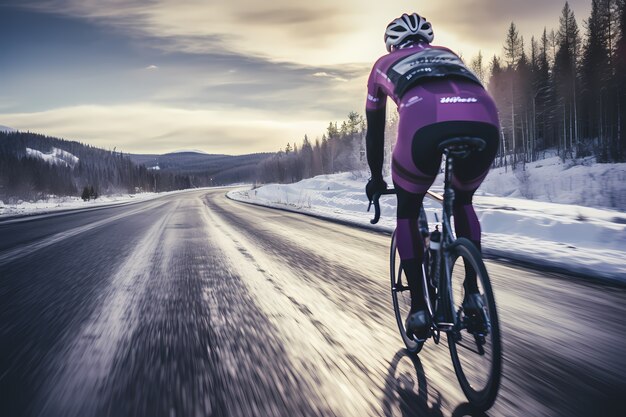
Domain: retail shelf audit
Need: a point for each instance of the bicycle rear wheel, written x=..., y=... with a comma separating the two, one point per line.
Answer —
x=475, y=345
x=401, y=297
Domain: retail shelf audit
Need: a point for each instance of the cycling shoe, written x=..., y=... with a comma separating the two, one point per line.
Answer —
x=474, y=309
x=473, y=303
x=418, y=325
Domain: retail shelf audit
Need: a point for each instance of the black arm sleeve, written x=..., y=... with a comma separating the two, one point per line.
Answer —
x=375, y=141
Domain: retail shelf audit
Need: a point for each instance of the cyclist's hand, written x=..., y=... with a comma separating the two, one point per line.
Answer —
x=375, y=185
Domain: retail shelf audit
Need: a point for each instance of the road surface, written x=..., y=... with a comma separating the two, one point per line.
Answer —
x=195, y=305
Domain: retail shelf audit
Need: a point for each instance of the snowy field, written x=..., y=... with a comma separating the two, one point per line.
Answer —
x=576, y=238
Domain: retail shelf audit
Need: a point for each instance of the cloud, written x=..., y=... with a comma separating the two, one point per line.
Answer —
x=289, y=15
x=146, y=128
x=327, y=33
x=152, y=67
x=323, y=74
x=290, y=31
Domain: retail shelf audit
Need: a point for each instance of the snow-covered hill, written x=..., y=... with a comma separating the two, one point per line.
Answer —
x=7, y=129
x=55, y=156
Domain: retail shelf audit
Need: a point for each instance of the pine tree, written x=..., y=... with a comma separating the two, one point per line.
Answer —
x=510, y=103
x=595, y=73
x=478, y=67
x=565, y=78
x=513, y=47
x=306, y=154
x=544, y=94
x=497, y=89
x=620, y=84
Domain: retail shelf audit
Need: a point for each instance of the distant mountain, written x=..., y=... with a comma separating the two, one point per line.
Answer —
x=189, y=151
x=6, y=129
x=34, y=166
x=205, y=169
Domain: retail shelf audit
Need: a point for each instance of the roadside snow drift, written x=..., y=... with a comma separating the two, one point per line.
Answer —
x=574, y=238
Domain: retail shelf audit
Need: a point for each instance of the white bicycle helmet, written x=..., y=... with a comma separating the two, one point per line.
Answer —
x=406, y=26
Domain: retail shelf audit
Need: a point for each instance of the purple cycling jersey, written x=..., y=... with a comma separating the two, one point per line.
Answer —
x=396, y=72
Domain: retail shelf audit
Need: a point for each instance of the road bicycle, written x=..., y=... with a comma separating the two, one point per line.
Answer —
x=473, y=339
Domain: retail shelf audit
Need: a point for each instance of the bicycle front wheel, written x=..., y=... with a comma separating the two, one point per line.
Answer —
x=401, y=296
x=475, y=345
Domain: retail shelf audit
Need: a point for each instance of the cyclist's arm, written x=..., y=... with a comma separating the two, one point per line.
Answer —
x=375, y=116
x=375, y=141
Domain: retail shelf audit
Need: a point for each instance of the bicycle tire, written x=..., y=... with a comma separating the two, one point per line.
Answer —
x=481, y=398
x=398, y=302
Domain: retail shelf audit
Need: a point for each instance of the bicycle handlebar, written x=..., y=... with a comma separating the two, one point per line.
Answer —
x=376, y=204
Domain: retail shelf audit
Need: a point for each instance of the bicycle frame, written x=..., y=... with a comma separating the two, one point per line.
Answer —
x=442, y=263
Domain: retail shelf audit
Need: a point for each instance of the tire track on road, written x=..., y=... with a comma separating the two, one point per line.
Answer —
x=87, y=361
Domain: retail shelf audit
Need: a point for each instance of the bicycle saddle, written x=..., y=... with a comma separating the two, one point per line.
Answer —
x=462, y=145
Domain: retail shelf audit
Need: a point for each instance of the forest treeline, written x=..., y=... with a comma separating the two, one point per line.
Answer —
x=24, y=175
x=563, y=90
x=341, y=148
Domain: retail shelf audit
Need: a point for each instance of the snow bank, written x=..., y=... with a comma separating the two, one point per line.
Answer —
x=53, y=203
x=582, y=182
x=579, y=239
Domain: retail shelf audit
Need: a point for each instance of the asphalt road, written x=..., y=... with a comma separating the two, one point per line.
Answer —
x=195, y=305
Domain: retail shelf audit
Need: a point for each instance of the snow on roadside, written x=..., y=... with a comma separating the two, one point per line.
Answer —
x=579, y=239
x=53, y=204
x=66, y=203
x=581, y=182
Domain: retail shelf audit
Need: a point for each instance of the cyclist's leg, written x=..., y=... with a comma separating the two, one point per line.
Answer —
x=466, y=225
x=469, y=173
x=410, y=243
x=411, y=184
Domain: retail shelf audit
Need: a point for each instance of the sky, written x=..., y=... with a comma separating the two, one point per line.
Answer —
x=230, y=77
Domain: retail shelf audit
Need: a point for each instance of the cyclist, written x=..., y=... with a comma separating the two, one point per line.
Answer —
x=437, y=98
